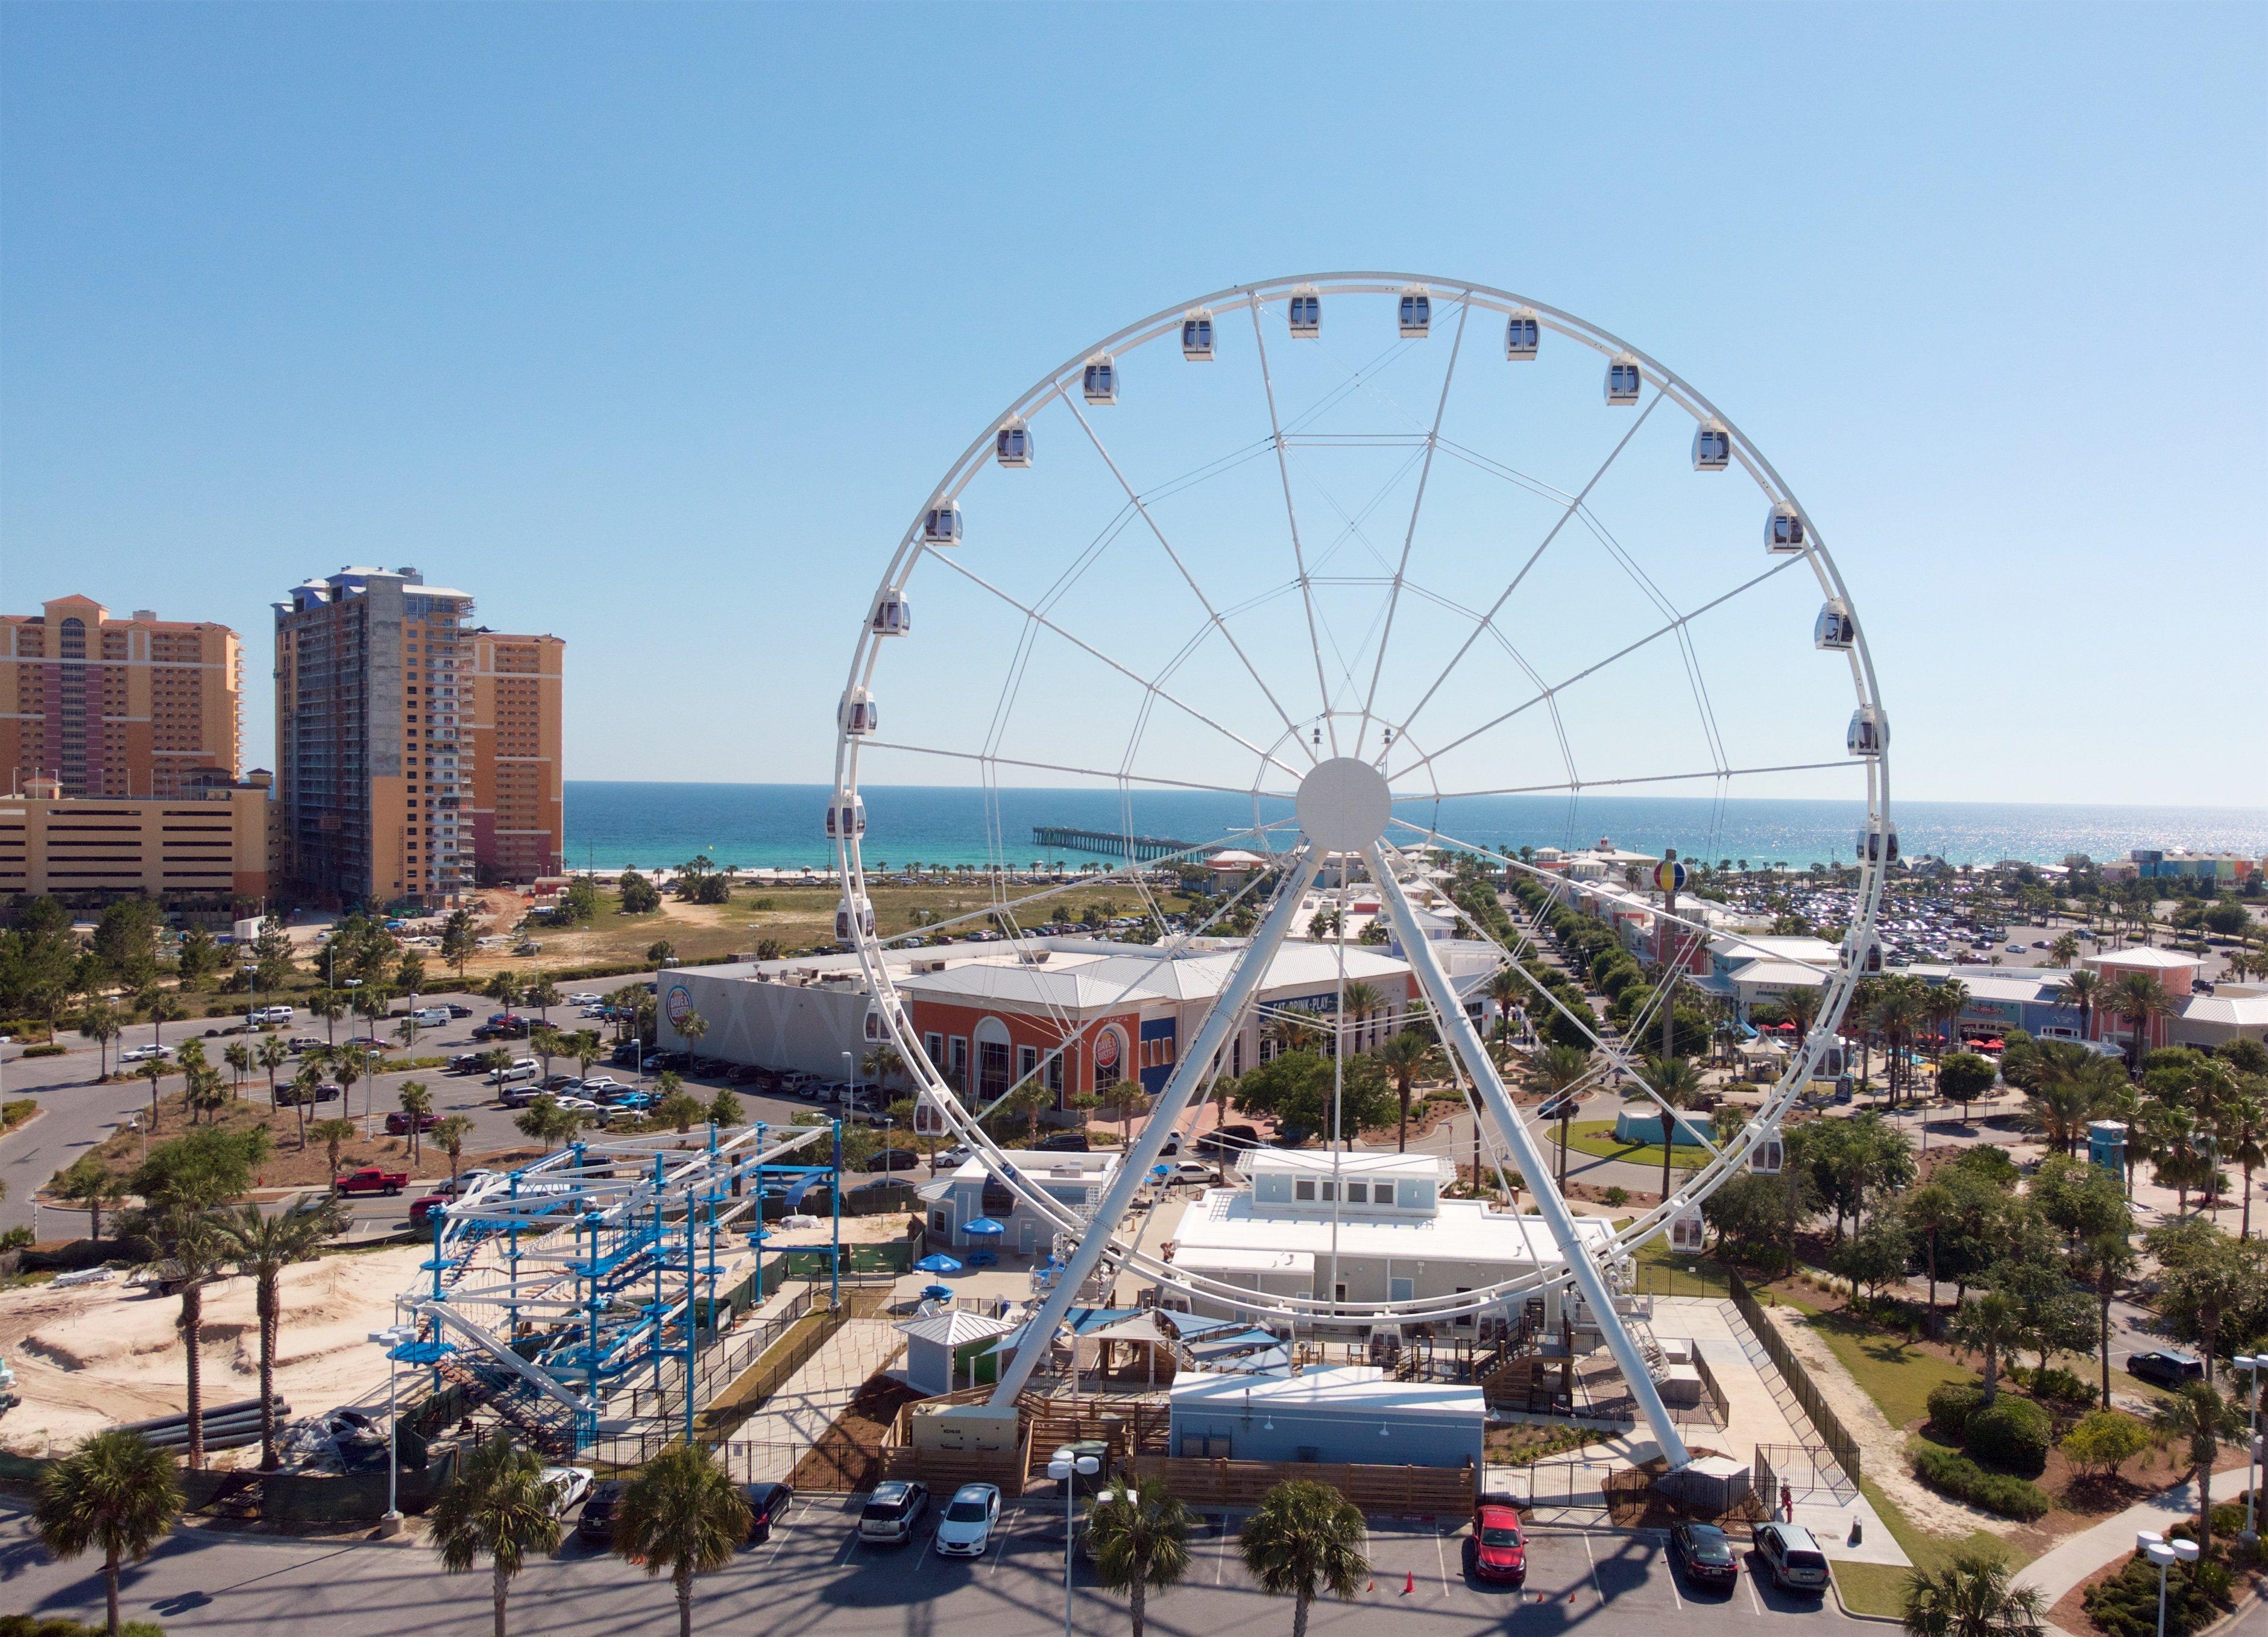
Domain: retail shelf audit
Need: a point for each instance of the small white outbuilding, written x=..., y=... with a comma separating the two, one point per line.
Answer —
x=944, y=1350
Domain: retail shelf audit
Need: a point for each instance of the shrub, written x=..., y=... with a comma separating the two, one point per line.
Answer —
x=2126, y=1605
x=2011, y=1433
x=60, y=1626
x=51, y=1049
x=1958, y=1476
x=1951, y=1406
x=15, y=1111
x=1617, y=1197
x=2104, y=1441
x=17, y=1238
x=2060, y=1386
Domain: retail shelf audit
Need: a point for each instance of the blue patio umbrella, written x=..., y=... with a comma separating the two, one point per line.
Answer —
x=937, y=1265
x=940, y=1293
x=984, y=1227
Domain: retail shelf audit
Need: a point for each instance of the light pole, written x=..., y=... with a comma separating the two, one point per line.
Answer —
x=1063, y=1469
x=2253, y=1364
x=851, y=1074
x=393, y=1337
x=2165, y=1554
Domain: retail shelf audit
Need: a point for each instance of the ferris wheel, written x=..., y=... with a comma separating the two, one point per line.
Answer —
x=1353, y=566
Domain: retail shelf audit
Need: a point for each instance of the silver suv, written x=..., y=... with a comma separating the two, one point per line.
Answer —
x=893, y=1512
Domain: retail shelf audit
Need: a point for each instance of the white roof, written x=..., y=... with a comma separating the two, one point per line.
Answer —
x=1230, y=1260
x=1787, y=973
x=955, y=1327
x=2229, y=1011
x=1320, y=1161
x=1769, y=947
x=1339, y=1387
x=1234, y=858
x=1459, y=1230
x=1045, y=1166
x=2153, y=960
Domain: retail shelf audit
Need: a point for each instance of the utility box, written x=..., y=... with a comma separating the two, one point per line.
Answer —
x=1713, y=1484
x=966, y=1428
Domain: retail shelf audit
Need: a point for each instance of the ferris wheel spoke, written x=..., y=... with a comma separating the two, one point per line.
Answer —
x=1410, y=534
x=1401, y=728
x=1647, y=779
x=1212, y=613
x=1083, y=772
x=1291, y=514
x=1677, y=624
x=1145, y=683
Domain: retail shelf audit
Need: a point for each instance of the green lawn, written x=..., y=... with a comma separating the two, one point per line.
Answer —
x=1664, y=1273
x=1597, y=1136
x=1897, y=1375
x=1880, y=1588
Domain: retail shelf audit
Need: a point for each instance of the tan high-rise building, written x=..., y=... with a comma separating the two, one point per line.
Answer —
x=139, y=707
x=517, y=812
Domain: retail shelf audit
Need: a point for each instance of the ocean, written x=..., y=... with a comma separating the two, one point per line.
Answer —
x=615, y=825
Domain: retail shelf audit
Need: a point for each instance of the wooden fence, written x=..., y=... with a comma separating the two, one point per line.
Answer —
x=1396, y=1491
x=1839, y=1444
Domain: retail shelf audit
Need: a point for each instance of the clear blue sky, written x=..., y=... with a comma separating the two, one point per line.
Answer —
x=651, y=325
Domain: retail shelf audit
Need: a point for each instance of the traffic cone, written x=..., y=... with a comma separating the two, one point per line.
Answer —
x=1409, y=1582
x=1372, y=1586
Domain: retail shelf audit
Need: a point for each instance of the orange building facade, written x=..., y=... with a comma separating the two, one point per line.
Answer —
x=516, y=811
x=134, y=708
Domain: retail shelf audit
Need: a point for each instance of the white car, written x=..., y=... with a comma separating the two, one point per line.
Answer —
x=583, y=999
x=527, y=1068
x=966, y=1529
x=143, y=1054
x=1192, y=1171
x=568, y=1485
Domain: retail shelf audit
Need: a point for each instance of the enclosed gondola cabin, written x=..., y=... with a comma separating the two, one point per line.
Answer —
x=854, y=918
x=1100, y=384
x=1713, y=447
x=1865, y=956
x=1766, y=1158
x=929, y=1119
x=858, y=715
x=894, y=615
x=1878, y=846
x=1012, y=444
x=941, y=525
x=1784, y=529
x=1687, y=1231
x=1523, y=334
x=1307, y=312
x=1869, y=734
x=1623, y=380
x=1416, y=316
x=1196, y=338
x=1835, y=629
x=846, y=817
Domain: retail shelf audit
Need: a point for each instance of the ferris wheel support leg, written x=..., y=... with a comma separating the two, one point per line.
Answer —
x=1459, y=1033
x=1250, y=970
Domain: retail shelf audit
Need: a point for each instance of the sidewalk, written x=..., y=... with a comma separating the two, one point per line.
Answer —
x=769, y=1443
x=2057, y=1571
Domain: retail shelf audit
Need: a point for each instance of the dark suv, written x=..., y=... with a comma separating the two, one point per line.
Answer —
x=596, y=1526
x=2169, y=1367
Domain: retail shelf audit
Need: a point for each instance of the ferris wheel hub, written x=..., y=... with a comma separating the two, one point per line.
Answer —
x=1344, y=804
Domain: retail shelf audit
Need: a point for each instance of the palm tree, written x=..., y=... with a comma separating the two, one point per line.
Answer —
x=116, y=1493
x=330, y=1006
x=417, y=1103
x=1360, y=1002
x=546, y=1043
x=449, y=1135
x=497, y=1507
x=92, y=1184
x=684, y=1515
x=2243, y=1134
x=1993, y=1325
x=1943, y=1005
x=98, y=1021
x=270, y=1056
x=1676, y=1082
x=2106, y=1261
x=1139, y=1540
x=197, y=1247
x=154, y=1070
x=262, y=1247
x=1306, y=1538
x=2138, y=999
x=1406, y=1054
x=2083, y=989
x=238, y=1059
x=1556, y=1068
x=1972, y=1597
x=2200, y=1418
x=334, y=1134
x=505, y=990
x=550, y=1124
x=2064, y=950
x=584, y=1043
x=160, y=1005
x=542, y=994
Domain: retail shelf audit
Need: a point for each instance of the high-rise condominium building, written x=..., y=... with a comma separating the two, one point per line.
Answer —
x=104, y=707
x=415, y=753
x=519, y=823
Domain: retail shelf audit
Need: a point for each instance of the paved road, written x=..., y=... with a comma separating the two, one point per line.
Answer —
x=814, y=1575
x=77, y=1113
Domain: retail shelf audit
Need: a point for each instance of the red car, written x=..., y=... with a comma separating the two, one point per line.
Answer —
x=1500, y=1552
x=421, y=1211
x=371, y=1180
x=397, y=1124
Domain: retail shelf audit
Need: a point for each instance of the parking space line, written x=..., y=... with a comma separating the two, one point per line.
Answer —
x=1669, y=1567
x=849, y=1547
x=1595, y=1586
x=780, y=1535
x=999, y=1551
x=1220, y=1557
x=1749, y=1582
x=1441, y=1556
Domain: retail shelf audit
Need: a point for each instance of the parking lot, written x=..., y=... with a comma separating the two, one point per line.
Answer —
x=814, y=1575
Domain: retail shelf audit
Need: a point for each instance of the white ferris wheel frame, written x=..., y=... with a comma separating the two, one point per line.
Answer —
x=1065, y=382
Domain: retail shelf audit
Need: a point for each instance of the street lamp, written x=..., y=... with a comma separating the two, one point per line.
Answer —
x=393, y=1337
x=2165, y=1554
x=1061, y=1469
x=2253, y=1364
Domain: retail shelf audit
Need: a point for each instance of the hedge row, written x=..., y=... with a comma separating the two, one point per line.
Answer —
x=1956, y=1475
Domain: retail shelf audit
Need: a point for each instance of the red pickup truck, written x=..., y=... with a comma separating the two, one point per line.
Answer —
x=371, y=1180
